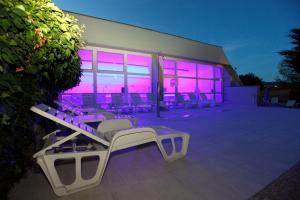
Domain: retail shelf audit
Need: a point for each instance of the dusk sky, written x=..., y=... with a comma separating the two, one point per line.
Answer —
x=250, y=32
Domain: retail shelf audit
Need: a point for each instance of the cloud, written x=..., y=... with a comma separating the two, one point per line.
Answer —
x=238, y=44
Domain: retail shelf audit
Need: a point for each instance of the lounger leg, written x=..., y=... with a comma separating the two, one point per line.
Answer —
x=174, y=154
x=47, y=163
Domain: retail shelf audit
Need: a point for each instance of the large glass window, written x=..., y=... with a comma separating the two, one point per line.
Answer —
x=218, y=98
x=86, y=57
x=186, y=69
x=218, y=86
x=218, y=72
x=110, y=61
x=190, y=77
x=168, y=67
x=85, y=85
x=209, y=96
x=139, y=84
x=205, y=71
x=186, y=85
x=206, y=86
x=169, y=85
x=139, y=64
x=110, y=83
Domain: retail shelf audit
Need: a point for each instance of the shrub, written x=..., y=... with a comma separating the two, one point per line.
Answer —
x=38, y=60
x=251, y=79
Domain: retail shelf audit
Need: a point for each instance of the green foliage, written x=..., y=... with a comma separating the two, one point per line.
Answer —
x=289, y=68
x=251, y=79
x=38, y=60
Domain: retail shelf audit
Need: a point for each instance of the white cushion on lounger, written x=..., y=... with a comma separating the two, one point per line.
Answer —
x=108, y=128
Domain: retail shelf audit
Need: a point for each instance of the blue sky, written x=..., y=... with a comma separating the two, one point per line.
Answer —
x=251, y=32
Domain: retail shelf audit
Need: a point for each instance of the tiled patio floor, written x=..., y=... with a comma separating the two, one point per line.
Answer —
x=233, y=153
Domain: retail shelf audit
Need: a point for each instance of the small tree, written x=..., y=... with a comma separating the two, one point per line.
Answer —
x=38, y=59
x=289, y=68
x=251, y=79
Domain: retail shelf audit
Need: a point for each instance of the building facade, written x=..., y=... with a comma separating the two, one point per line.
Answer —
x=124, y=59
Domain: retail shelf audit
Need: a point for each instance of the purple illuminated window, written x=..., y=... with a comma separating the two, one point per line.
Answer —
x=85, y=86
x=205, y=71
x=139, y=64
x=169, y=85
x=218, y=86
x=139, y=84
x=110, y=83
x=86, y=58
x=168, y=67
x=110, y=61
x=186, y=85
x=218, y=72
x=186, y=69
x=209, y=96
x=206, y=86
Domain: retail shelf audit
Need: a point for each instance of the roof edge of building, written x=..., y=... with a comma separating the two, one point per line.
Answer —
x=149, y=29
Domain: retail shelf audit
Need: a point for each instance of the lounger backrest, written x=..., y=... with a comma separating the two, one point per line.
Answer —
x=150, y=97
x=70, y=108
x=70, y=102
x=192, y=96
x=290, y=103
x=116, y=99
x=274, y=100
x=203, y=97
x=179, y=97
x=68, y=121
x=135, y=98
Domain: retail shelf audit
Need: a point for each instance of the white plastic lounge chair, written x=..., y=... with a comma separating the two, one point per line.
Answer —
x=290, y=103
x=118, y=105
x=179, y=100
x=274, y=100
x=110, y=136
x=138, y=104
x=205, y=102
x=162, y=104
x=193, y=101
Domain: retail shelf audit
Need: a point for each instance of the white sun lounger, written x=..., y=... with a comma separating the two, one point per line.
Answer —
x=110, y=136
x=118, y=105
x=274, y=101
x=290, y=103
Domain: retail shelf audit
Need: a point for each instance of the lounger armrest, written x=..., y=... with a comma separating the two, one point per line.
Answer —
x=132, y=131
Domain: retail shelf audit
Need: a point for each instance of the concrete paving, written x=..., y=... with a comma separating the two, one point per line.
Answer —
x=234, y=152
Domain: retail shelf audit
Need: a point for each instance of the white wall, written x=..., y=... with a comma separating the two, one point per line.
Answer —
x=243, y=95
x=106, y=33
